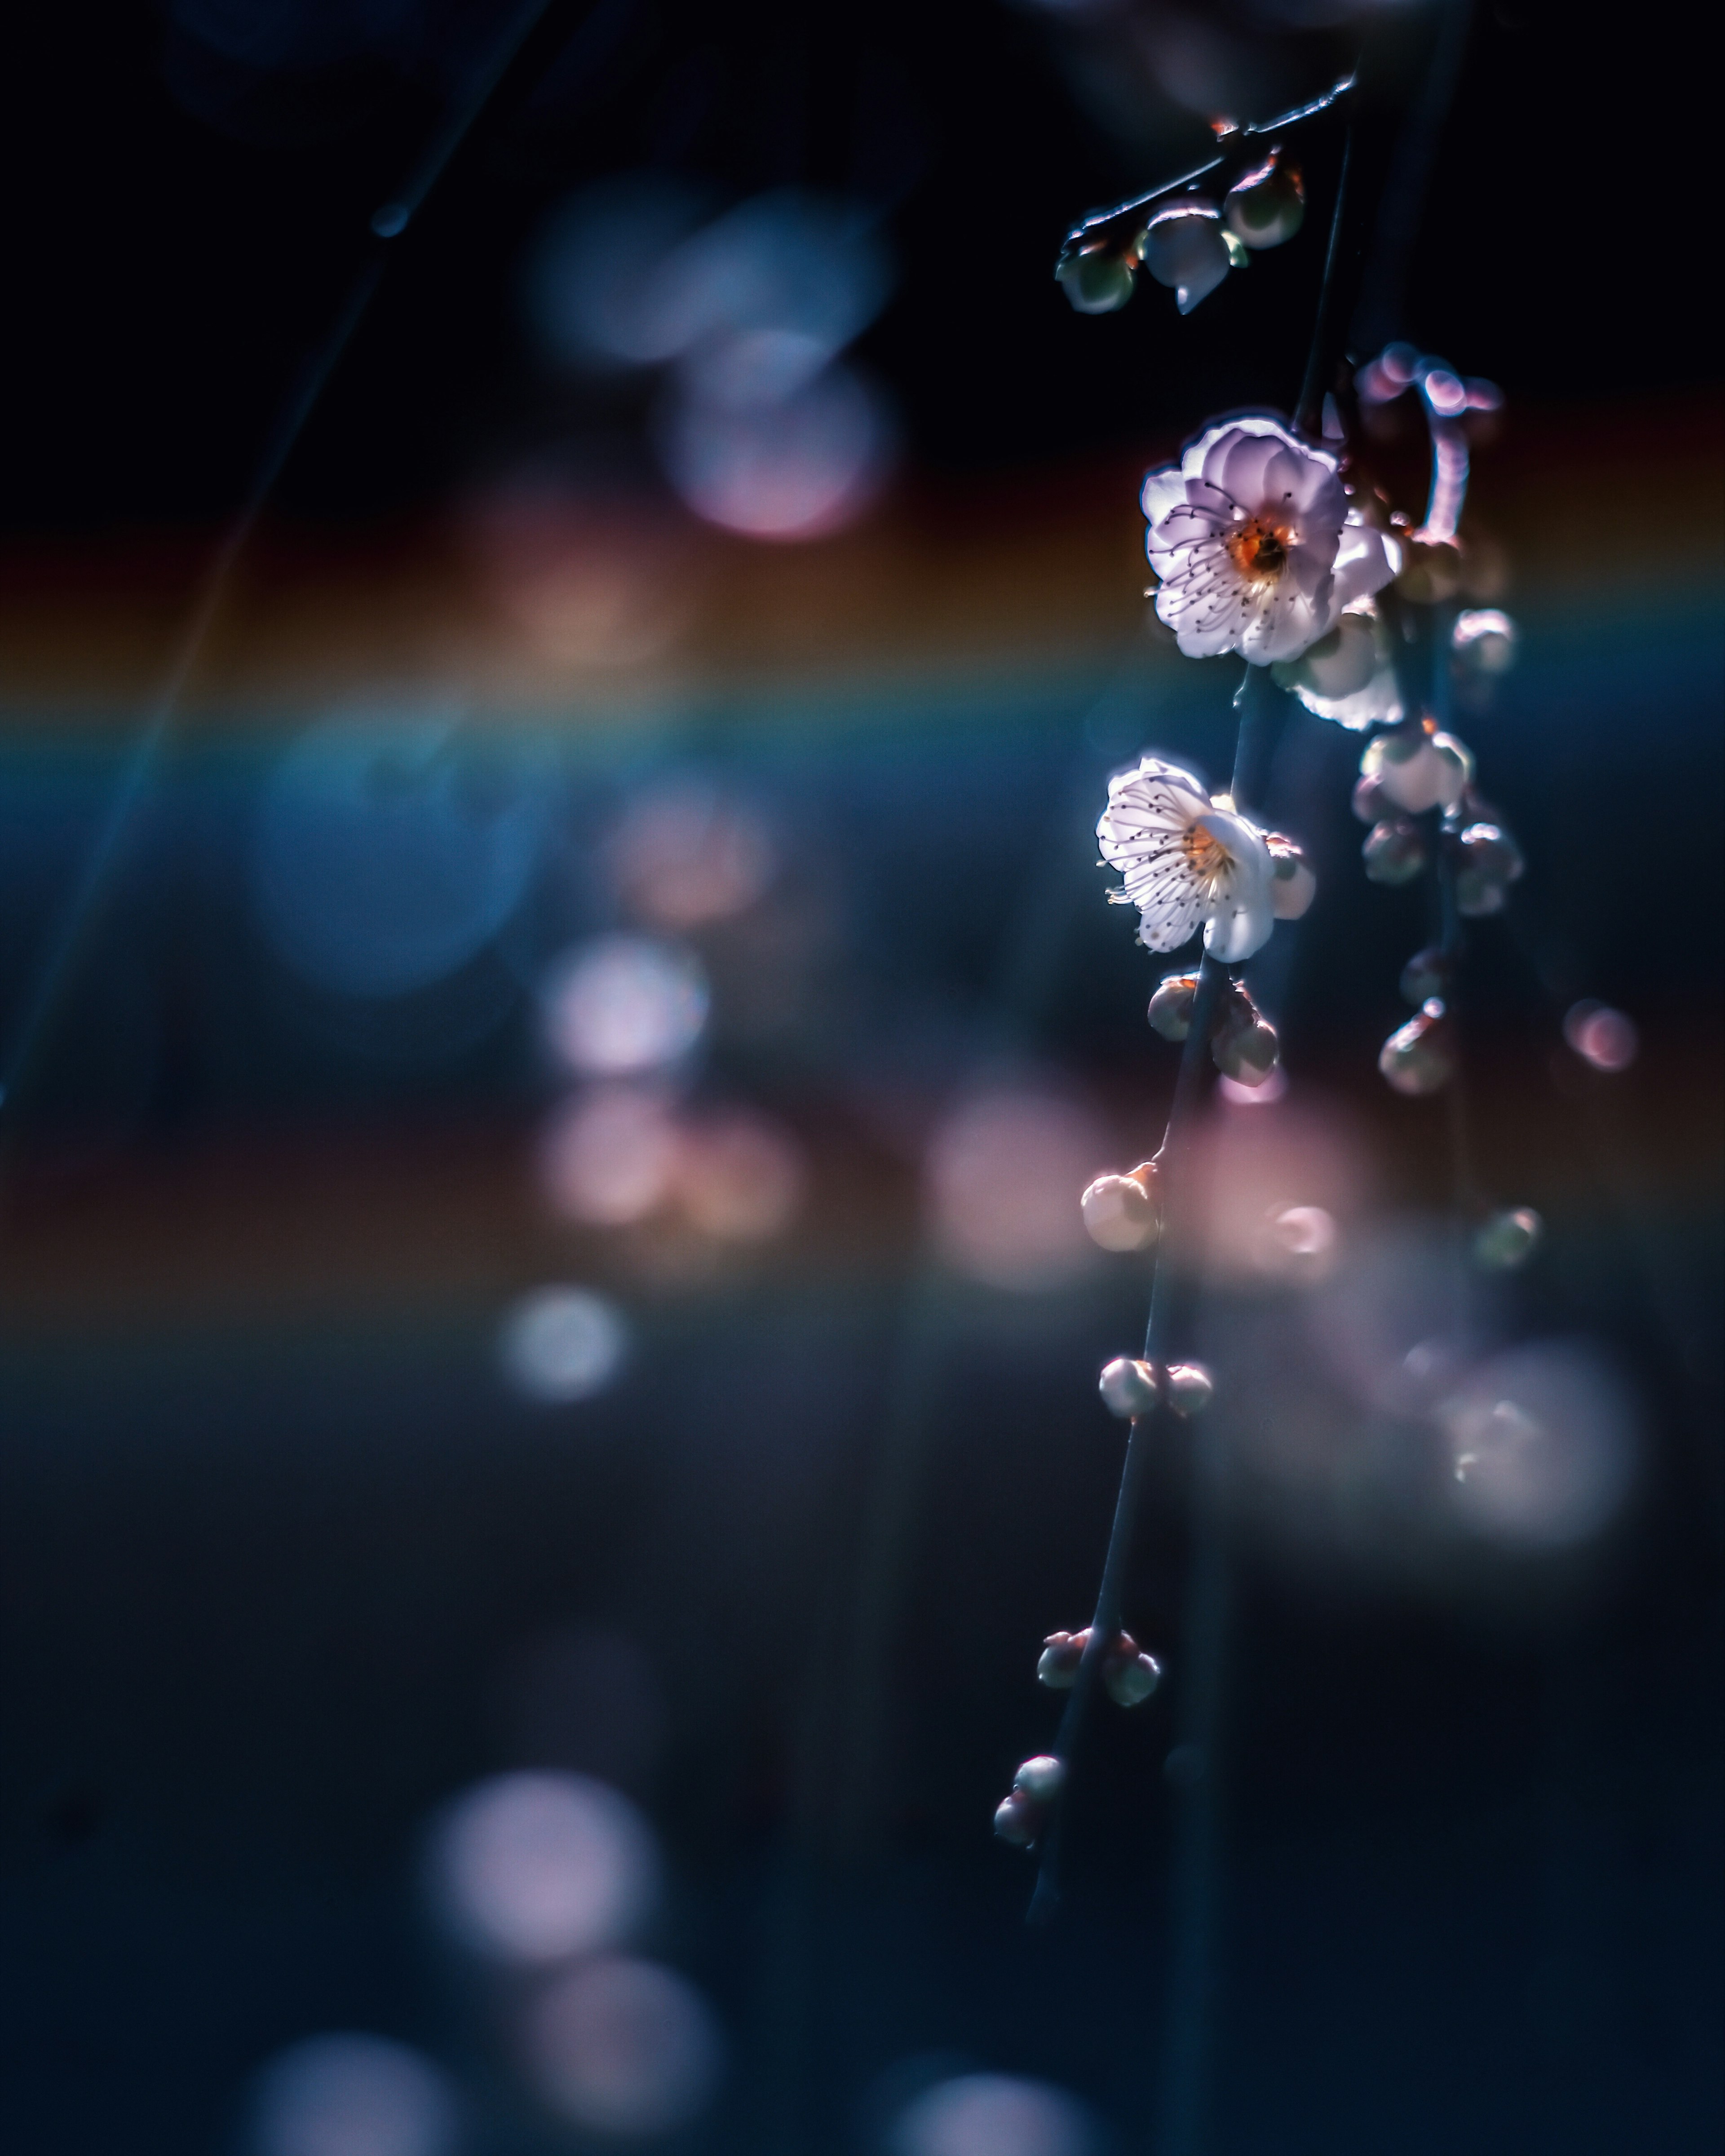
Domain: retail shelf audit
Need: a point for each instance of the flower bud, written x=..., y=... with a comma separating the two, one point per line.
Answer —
x=1489, y=861
x=1057, y=1666
x=1267, y=206
x=1428, y=973
x=1420, y=769
x=1340, y=664
x=1096, y=279
x=1371, y=803
x=1131, y=1680
x=1395, y=852
x=1245, y=1049
x=1120, y=1211
x=1128, y=1388
x=1171, y=1006
x=1018, y=1819
x=1419, y=1057
x=1508, y=1239
x=1182, y=246
x=1040, y=1778
x=1484, y=642
x=1190, y=1388
x=1430, y=573
x=1293, y=885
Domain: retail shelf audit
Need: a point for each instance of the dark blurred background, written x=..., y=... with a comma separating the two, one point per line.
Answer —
x=548, y=1349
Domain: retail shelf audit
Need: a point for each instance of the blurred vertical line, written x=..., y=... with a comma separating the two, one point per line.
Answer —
x=1379, y=316
x=69, y=934
x=1194, y=1766
x=1030, y=963
x=843, y=1737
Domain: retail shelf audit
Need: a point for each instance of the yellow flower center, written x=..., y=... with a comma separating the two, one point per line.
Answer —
x=1259, y=551
x=1205, y=854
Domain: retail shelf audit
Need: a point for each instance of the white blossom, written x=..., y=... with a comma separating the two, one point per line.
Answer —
x=1348, y=675
x=1254, y=543
x=1187, y=861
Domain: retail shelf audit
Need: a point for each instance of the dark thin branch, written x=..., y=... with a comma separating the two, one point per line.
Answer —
x=1258, y=701
x=1240, y=149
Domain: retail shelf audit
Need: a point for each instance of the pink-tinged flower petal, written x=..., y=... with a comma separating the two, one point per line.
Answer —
x=1238, y=466
x=1290, y=622
x=1169, y=914
x=1207, y=457
x=1362, y=561
x=1241, y=910
x=1162, y=491
x=1187, y=525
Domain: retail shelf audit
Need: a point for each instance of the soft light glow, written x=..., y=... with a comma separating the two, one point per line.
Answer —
x=992, y=2115
x=539, y=1868
x=595, y=286
x=626, y=1003
x=1542, y=1443
x=685, y=854
x=1296, y=1243
x=739, y=1178
x=1003, y=1173
x=1263, y=1095
x=623, y=2047
x=562, y=1344
x=351, y=2095
x=390, y=848
x=784, y=264
x=798, y=469
x=610, y=1157
x=1606, y=1038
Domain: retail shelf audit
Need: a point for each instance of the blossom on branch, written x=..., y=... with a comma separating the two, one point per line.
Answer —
x=1254, y=543
x=1187, y=860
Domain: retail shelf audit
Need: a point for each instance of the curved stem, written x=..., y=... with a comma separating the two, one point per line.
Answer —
x=59, y=958
x=1240, y=148
x=1256, y=701
x=1141, y=1433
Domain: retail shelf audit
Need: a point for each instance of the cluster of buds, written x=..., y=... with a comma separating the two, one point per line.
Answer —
x=1129, y=1675
x=1243, y=1043
x=1123, y=1212
x=1023, y=1813
x=1406, y=773
x=1190, y=243
x=1130, y=1388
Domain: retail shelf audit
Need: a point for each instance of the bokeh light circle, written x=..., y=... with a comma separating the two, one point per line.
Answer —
x=992, y=2115
x=536, y=1869
x=561, y=1344
x=389, y=850
x=351, y=2095
x=1005, y=1171
x=624, y=2047
x=624, y=1004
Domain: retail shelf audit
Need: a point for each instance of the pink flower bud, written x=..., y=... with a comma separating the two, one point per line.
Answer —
x=1120, y=1211
x=1395, y=851
x=1190, y=1388
x=1267, y=206
x=1042, y=1778
x=1018, y=1819
x=1427, y=974
x=1128, y=1388
x=1171, y=1006
x=1131, y=1680
x=1061, y=1654
x=1419, y=1057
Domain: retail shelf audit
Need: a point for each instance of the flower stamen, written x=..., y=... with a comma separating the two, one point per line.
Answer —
x=1206, y=856
x=1258, y=550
